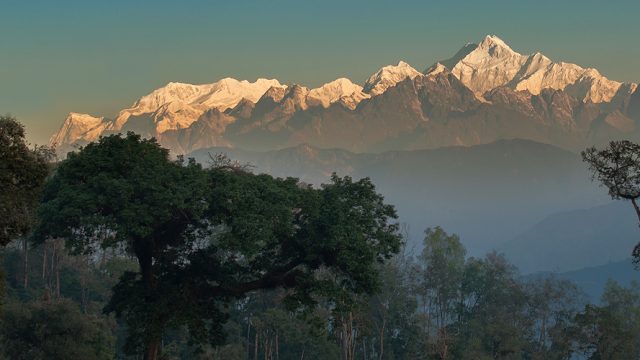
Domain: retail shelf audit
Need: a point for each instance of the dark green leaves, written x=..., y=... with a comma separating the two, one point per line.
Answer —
x=22, y=172
x=121, y=190
x=204, y=237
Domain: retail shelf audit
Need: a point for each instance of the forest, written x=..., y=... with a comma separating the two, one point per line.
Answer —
x=120, y=252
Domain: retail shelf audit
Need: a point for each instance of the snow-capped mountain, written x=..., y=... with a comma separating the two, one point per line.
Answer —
x=388, y=77
x=178, y=105
x=340, y=90
x=486, y=91
x=80, y=127
x=492, y=64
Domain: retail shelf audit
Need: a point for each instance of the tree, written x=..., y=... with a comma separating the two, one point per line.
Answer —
x=493, y=323
x=22, y=173
x=439, y=273
x=54, y=331
x=391, y=313
x=204, y=237
x=124, y=193
x=618, y=169
x=611, y=331
x=552, y=306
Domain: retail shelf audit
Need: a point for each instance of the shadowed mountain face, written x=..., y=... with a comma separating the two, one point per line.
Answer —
x=633, y=107
x=593, y=279
x=488, y=193
x=576, y=239
x=486, y=92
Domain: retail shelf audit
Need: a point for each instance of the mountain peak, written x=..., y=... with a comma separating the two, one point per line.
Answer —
x=492, y=64
x=489, y=65
x=341, y=89
x=491, y=41
x=79, y=126
x=436, y=69
x=342, y=83
x=388, y=76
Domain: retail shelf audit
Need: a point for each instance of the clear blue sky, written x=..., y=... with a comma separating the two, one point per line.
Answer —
x=99, y=56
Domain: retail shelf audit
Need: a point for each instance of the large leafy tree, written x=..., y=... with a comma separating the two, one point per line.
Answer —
x=22, y=173
x=203, y=237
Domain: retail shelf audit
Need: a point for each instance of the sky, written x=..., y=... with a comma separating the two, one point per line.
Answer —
x=98, y=57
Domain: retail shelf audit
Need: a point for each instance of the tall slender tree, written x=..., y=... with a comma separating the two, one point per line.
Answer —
x=438, y=281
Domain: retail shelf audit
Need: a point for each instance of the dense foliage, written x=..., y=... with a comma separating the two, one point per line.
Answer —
x=484, y=310
x=205, y=237
x=58, y=330
x=22, y=173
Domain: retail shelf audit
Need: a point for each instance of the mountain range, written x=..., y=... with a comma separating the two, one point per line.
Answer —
x=485, y=92
x=483, y=143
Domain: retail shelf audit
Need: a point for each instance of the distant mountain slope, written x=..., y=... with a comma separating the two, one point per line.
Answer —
x=486, y=193
x=486, y=92
x=576, y=239
x=593, y=279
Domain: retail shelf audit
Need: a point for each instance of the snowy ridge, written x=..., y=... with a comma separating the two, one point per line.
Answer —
x=388, y=77
x=340, y=90
x=80, y=127
x=493, y=64
x=190, y=101
x=436, y=69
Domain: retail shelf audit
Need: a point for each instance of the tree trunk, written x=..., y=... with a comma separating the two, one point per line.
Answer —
x=255, y=349
x=364, y=348
x=83, y=284
x=25, y=270
x=348, y=337
x=248, y=337
x=44, y=262
x=636, y=207
x=57, y=267
x=384, y=323
x=153, y=350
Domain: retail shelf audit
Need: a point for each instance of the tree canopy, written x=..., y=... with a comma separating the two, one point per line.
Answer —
x=618, y=169
x=22, y=173
x=54, y=331
x=203, y=237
